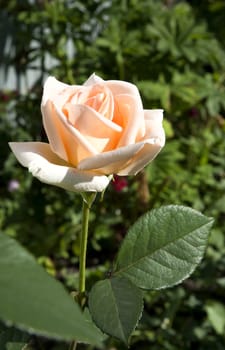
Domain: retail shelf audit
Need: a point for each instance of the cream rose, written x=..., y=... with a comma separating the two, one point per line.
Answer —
x=94, y=130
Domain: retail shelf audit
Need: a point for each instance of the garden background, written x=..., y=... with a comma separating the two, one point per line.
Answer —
x=174, y=51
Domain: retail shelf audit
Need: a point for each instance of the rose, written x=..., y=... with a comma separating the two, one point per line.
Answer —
x=94, y=130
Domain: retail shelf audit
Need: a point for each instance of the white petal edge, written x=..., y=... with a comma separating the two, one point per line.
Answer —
x=154, y=125
x=92, y=80
x=154, y=114
x=52, y=87
x=50, y=169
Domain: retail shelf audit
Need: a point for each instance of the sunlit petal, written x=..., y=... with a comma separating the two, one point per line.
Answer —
x=48, y=168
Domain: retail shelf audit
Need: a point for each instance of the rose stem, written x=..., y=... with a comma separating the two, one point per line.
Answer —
x=83, y=245
x=88, y=199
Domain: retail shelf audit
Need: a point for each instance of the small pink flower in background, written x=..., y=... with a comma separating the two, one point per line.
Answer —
x=119, y=183
x=13, y=185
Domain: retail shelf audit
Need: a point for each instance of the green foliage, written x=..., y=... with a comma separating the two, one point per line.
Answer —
x=116, y=306
x=34, y=292
x=158, y=252
x=174, y=51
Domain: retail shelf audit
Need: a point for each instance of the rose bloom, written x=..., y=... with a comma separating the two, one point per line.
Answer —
x=94, y=130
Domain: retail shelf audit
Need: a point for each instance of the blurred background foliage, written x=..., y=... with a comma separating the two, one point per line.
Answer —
x=175, y=52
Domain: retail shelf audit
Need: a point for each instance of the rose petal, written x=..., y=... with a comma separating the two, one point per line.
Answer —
x=100, y=98
x=128, y=105
x=111, y=162
x=52, y=86
x=53, y=129
x=130, y=112
x=53, y=89
x=101, y=132
x=48, y=168
x=88, y=120
x=153, y=125
x=107, y=106
x=154, y=114
x=123, y=87
x=154, y=140
x=24, y=152
x=92, y=80
x=129, y=160
x=148, y=152
x=65, y=140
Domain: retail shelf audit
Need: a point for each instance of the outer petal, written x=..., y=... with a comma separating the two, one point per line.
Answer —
x=154, y=114
x=128, y=107
x=93, y=79
x=154, y=140
x=127, y=97
x=111, y=162
x=129, y=160
x=123, y=87
x=153, y=125
x=52, y=88
x=149, y=151
x=49, y=168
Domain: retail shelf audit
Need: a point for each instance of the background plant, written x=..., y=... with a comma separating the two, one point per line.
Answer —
x=174, y=52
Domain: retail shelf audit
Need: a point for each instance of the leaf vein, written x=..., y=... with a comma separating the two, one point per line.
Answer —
x=157, y=249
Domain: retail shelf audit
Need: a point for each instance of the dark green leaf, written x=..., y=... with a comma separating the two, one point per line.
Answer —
x=163, y=247
x=116, y=306
x=34, y=301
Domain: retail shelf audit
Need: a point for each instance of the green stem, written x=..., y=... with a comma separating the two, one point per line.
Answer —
x=83, y=246
x=88, y=199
